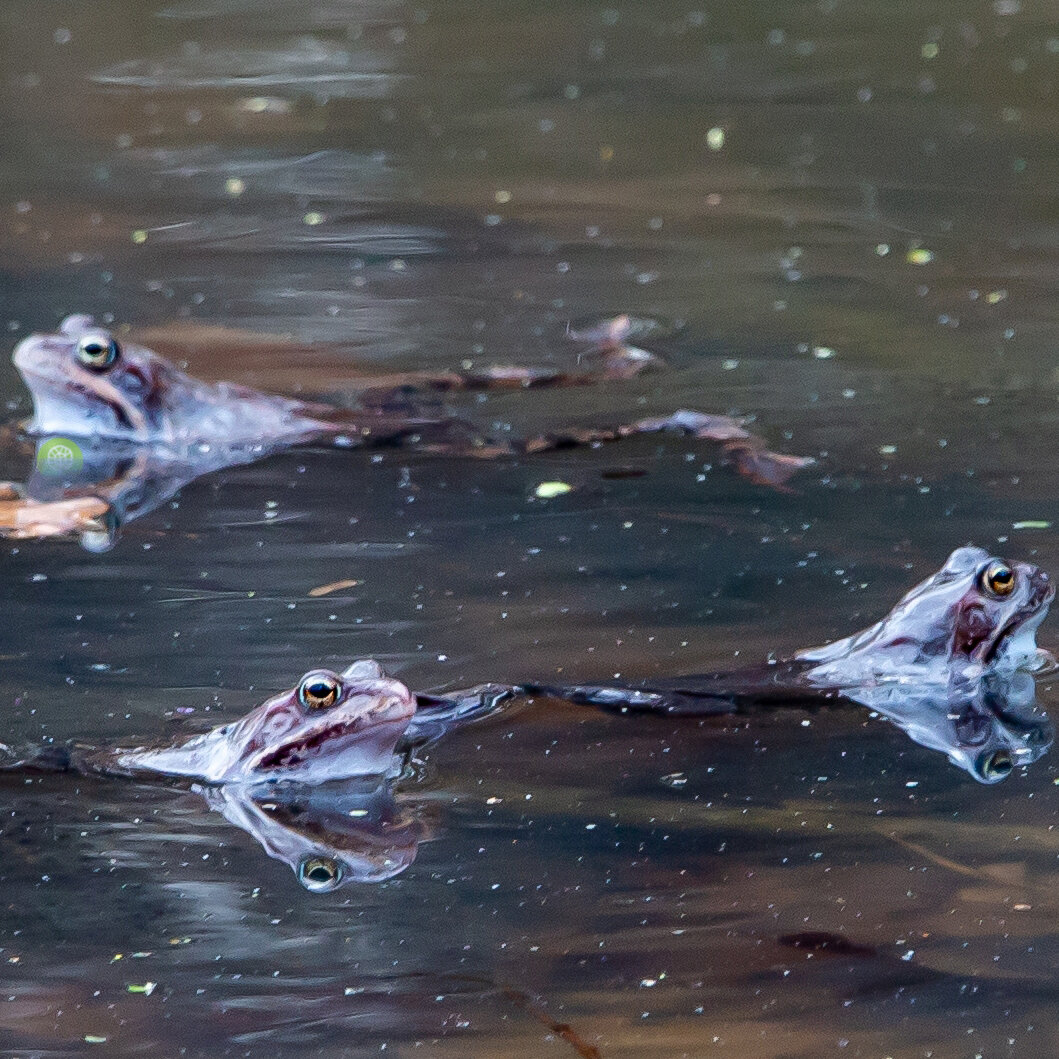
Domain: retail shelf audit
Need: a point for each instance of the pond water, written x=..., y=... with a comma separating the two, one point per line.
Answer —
x=842, y=216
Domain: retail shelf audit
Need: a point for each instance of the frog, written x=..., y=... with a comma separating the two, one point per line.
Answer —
x=329, y=727
x=86, y=384
x=310, y=774
x=953, y=664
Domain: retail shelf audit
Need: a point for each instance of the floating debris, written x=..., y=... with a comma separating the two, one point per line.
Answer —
x=334, y=586
x=263, y=105
x=549, y=490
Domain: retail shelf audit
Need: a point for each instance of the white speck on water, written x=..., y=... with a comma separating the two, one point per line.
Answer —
x=675, y=779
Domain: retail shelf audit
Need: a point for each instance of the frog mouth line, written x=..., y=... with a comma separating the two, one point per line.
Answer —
x=1016, y=625
x=290, y=755
x=121, y=415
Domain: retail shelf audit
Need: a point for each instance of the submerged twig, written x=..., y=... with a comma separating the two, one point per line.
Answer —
x=936, y=858
x=560, y=1029
x=530, y=1005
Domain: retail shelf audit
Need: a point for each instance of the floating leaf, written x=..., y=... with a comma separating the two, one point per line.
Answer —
x=548, y=490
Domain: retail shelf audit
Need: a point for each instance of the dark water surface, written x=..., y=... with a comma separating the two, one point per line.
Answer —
x=843, y=213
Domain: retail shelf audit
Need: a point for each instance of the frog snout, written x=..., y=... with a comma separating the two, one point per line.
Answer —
x=1043, y=590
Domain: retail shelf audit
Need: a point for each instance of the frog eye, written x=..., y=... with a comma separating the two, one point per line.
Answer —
x=320, y=875
x=97, y=350
x=992, y=768
x=998, y=579
x=100, y=534
x=319, y=690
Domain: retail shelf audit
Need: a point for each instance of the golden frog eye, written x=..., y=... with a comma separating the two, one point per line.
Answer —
x=320, y=874
x=996, y=766
x=97, y=350
x=998, y=579
x=319, y=690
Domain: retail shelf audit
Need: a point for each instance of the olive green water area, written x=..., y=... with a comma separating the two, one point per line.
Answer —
x=842, y=218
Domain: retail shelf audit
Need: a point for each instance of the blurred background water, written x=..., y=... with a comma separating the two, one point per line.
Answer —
x=842, y=216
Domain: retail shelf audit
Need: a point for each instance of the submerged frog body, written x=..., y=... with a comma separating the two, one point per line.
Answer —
x=85, y=384
x=955, y=656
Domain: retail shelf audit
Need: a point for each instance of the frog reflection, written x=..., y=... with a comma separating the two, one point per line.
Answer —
x=330, y=835
x=111, y=484
x=952, y=664
x=993, y=728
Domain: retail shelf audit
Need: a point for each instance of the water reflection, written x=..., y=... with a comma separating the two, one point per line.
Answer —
x=330, y=835
x=306, y=63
